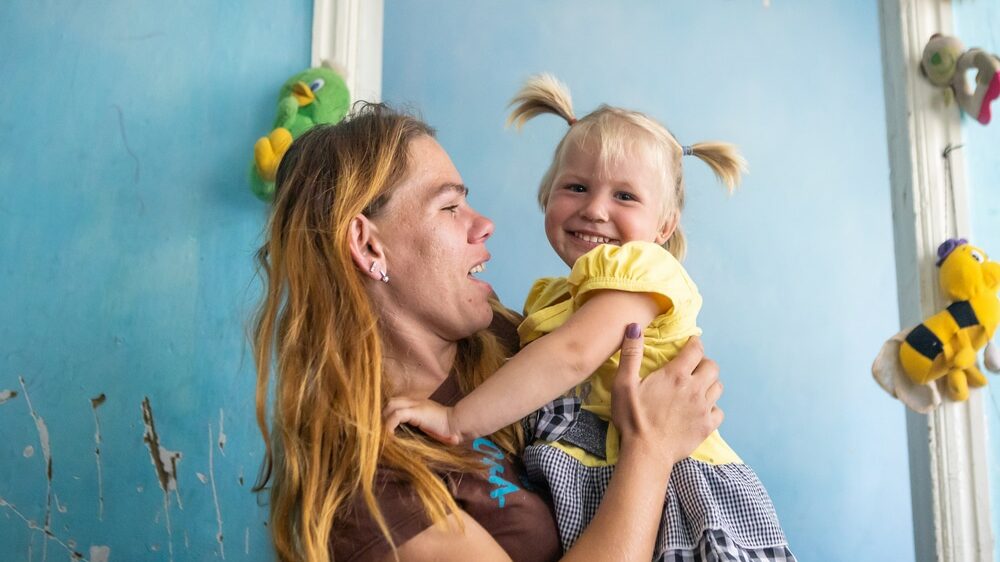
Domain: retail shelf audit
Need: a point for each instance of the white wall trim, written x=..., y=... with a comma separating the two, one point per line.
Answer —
x=348, y=33
x=948, y=465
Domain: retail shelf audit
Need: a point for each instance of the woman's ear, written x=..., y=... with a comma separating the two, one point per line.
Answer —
x=668, y=228
x=366, y=249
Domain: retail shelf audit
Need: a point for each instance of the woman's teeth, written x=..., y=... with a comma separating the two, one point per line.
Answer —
x=595, y=239
x=478, y=269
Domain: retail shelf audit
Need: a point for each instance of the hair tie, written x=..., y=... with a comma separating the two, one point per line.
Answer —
x=687, y=150
x=571, y=121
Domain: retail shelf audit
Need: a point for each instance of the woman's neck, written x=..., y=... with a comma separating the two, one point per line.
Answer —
x=415, y=360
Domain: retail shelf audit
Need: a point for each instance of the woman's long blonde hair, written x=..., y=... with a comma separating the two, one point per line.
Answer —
x=615, y=130
x=318, y=332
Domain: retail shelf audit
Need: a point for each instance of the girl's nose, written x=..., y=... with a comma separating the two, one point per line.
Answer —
x=594, y=210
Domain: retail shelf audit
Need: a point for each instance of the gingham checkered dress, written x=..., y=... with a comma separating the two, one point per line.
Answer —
x=711, y=513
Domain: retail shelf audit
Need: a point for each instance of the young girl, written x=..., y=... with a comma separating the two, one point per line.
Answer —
x=612, y=199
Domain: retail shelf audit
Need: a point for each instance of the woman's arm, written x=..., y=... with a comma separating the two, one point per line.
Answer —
x=537, y=374
x=661, y=419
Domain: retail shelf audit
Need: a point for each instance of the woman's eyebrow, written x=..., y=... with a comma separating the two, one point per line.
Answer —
x=450, y=187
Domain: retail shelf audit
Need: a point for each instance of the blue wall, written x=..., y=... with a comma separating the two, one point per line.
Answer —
x=976, y=23
x=796, y=269
x=126, y=236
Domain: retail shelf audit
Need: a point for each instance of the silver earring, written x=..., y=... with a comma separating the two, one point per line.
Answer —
x=385, y=276
x=372, y=268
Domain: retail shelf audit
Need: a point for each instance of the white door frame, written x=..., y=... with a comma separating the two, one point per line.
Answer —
x=348, y=33
x=948, y=466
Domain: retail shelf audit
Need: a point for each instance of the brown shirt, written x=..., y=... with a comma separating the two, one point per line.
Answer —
x=519, y=520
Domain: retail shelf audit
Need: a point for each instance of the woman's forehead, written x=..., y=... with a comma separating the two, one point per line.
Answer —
x=430, y=174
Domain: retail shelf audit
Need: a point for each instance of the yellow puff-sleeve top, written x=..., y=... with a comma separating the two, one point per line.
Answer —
x=640, y=267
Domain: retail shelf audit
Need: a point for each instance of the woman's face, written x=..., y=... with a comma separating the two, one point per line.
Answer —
x=434, y=241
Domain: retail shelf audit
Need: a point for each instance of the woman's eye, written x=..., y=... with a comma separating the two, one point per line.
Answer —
x=451, y=209
x=316, y=84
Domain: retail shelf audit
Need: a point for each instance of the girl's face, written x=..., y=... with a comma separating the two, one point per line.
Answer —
x=592, y=204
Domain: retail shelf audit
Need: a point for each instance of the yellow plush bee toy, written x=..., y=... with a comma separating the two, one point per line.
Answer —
x=947, y=344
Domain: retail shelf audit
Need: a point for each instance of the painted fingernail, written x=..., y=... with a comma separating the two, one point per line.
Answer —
x=632, y=331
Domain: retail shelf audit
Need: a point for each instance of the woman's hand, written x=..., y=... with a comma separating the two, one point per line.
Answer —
x=427, y=415
x=672, y=410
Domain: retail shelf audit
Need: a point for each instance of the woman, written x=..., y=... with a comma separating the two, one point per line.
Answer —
x=371, y=293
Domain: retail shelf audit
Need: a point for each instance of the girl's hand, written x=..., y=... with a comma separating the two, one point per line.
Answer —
x=427, y=415
x=671, y=411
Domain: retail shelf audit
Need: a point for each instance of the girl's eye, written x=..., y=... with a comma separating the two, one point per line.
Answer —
x=576, y=188
x=626, y=196
x=316, y=84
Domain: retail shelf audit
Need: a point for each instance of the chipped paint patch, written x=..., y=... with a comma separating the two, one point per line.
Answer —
x=215, y=496
x=201, y=477
x=6, y=395
x=96, y=403
x=100, y=553
x=28, y=452
x=165, y=462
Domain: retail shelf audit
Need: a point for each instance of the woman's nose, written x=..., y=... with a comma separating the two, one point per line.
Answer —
x=482, y=228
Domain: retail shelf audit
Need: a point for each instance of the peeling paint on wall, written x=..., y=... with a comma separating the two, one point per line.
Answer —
x=222, y=433
x=47, y=533
x=43, y=439
x=165, y=462
x=100, y=553
x=215, y=496
x=6, y=395
x=96, y=403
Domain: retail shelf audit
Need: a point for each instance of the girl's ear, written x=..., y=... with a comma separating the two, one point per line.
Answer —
x=366, y=249
x=668, y=228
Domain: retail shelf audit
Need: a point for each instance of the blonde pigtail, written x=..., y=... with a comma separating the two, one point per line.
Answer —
x=724, y=159
x=542, y=93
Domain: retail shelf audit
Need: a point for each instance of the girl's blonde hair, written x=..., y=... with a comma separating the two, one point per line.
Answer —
x=615, y=130
x=318, y=331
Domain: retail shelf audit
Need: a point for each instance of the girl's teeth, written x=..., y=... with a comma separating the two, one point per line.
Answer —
x=592, y=239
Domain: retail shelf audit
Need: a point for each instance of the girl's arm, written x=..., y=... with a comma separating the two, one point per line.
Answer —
x=662, y=419
x=537, y=374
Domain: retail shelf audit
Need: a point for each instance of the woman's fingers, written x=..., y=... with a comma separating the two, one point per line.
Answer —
x=714, y=392
x=689, y=357
x=631, y=357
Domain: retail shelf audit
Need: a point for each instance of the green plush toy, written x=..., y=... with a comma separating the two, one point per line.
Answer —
x=311, y=97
